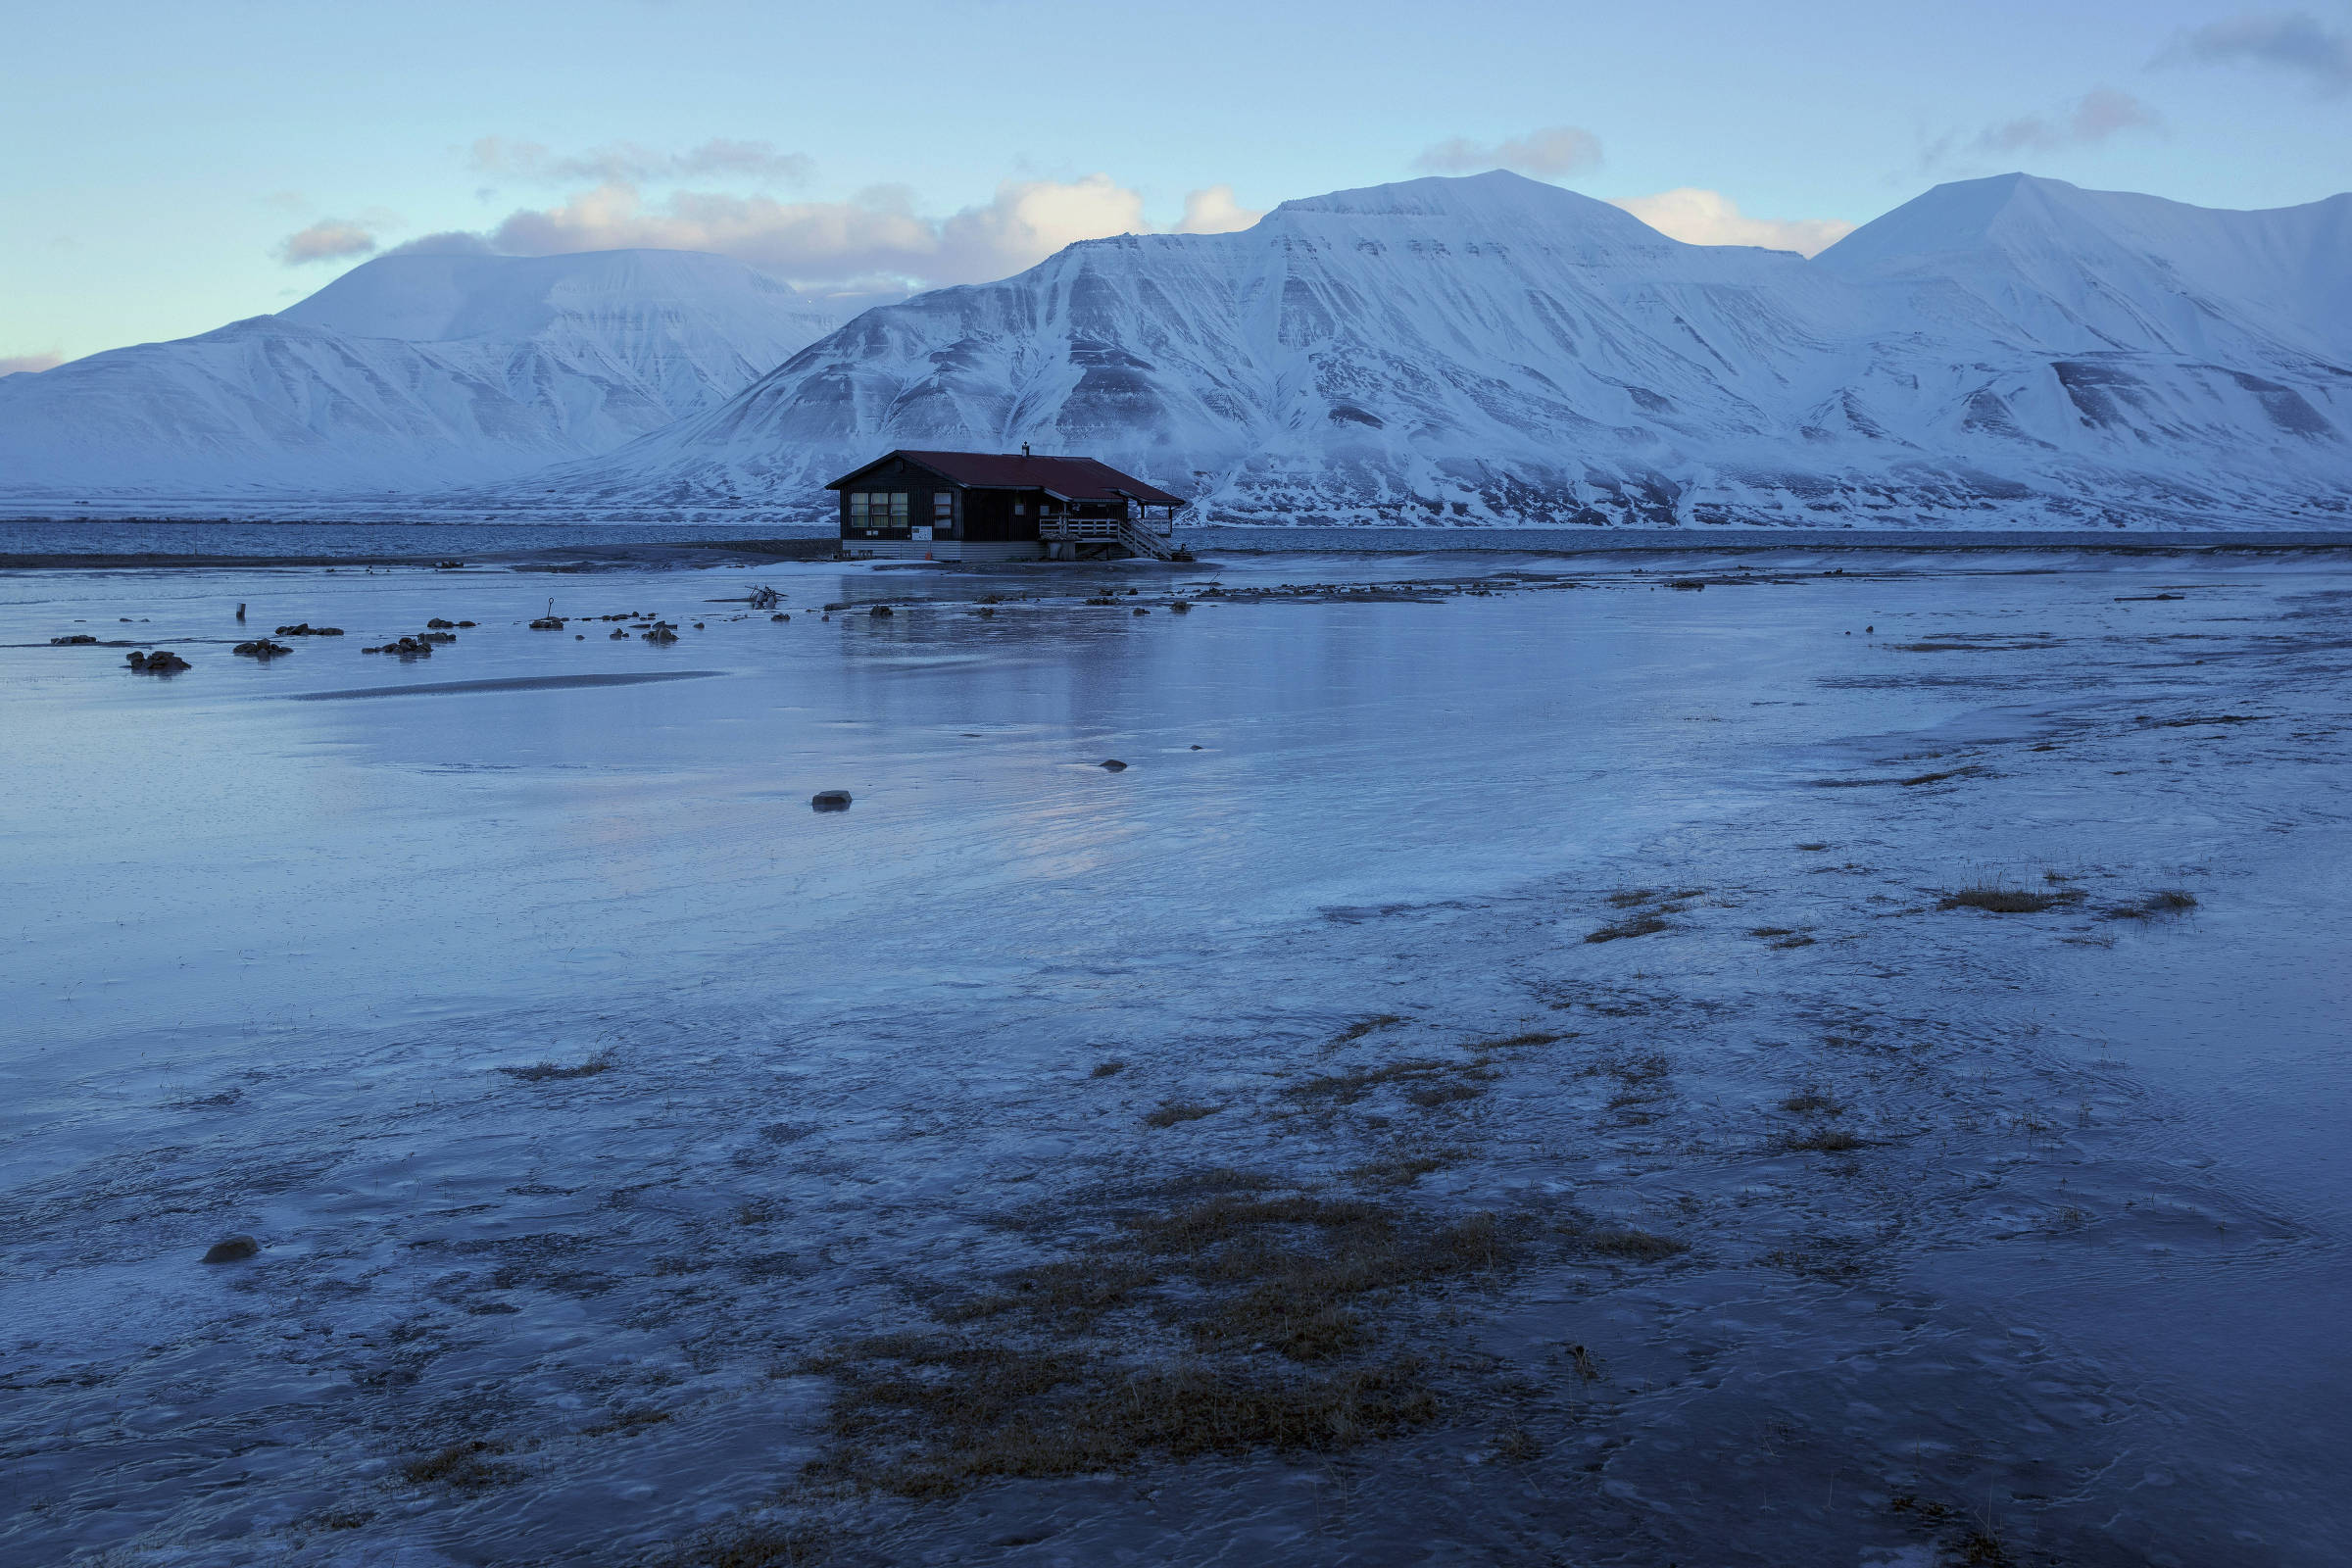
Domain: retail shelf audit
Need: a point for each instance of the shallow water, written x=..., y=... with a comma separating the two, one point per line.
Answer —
x=273, y=956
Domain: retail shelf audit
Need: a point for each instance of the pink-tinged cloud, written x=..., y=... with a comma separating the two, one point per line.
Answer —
x=1545, y=154
x=1710, y=218
x=330, y=240
x=28, y=364
x=876, y=235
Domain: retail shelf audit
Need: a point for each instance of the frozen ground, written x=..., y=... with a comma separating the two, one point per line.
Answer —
x=1897, y=1234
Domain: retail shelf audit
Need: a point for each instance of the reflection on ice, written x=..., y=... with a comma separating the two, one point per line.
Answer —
x=595, y=1103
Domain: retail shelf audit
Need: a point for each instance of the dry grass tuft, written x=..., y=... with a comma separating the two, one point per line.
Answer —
x=1999, y=899
x=2155, y=906
x=543, y=1071
x=1822, y=1141
x=1172, y=1111
x=1634, y=1246
x=1364, y=1026
x=1812, y=1101
x=1428, y=1081
x=463, y=1466
x=1640, y=925
x=1107, y=1069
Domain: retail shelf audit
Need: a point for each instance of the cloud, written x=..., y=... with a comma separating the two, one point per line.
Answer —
x=875, y=235
x=1710, y=218
x=449, y=242
x=2287, y=41
x=1545, y=154
x=2096, y=116
x=28, y=364
x=628, y=164
x=1214, y=211
x=330, y=240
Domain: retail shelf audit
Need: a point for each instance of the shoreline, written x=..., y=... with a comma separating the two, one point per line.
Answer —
x=1300, y=541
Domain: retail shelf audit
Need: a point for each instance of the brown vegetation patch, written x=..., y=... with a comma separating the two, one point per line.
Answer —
x=1640, y=925
x=543, y=1071
x=1822, y=1141
x=1428, y=1081
x=465, y=1466
x=2155, y=906
x=1172, y=1111
x=1634, y=1246
x=1063, y=1380
x=1812, y=1102
x=2008, y=900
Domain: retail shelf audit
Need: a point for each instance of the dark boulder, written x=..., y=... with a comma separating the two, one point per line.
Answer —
x=232, y=1250
x=830, y=800
x=1111, y=765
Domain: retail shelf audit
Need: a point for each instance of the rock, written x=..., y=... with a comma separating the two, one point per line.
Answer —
x=1140, y=611
x=306, y=630
x=161, y=661
x=880, y=610
x=1181, y=607
x=1687, y=584
x=830, y=800
x=621, y=631
x=75, y=641
x=548, y=624
x=1111, y=765
x=438, y=624
x=261, y=648
x=986, y=609
x=240, y=612
x=779, y=616
x=663, y=632
x=233, y=1249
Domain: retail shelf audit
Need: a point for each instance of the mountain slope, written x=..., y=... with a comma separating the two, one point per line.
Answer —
x=410, y=373
x=1491, y=349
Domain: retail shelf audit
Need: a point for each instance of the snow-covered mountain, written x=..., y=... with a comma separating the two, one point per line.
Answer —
x=410, y=373
x=1491, y=349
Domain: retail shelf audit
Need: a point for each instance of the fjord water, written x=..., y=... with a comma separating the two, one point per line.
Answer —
x=274, y=935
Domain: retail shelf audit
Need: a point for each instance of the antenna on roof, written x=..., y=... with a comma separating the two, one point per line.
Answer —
x=1024, y=449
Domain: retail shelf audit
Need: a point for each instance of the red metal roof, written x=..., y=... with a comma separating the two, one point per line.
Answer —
x=1075, y=478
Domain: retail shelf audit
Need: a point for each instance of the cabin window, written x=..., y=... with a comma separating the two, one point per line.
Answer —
x=943, y=507
x=1020, y=509
x=878, y=508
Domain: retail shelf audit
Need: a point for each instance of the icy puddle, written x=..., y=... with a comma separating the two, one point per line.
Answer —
x=1524, y=1062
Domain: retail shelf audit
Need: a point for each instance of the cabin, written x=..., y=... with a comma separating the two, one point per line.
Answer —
x=991, y=506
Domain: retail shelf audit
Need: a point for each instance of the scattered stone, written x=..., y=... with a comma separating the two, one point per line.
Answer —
x=548, y=624
x=1140, y=611
x=1111, y=765
x=306, y=630
x=261, y=648
x=447, y=565
x=406, y=648
x=986, y=609
x=619, y=632
x=436, y=637
x=779, y=616
x=830, y=800
x=663, y=632
x=463, y=625
x=161, y=661
x=1181, y=607
x=880, y=610
x=240, y=612
x=232, y=1250
x=438, y=624
x=1687, y=584
x=76, y=640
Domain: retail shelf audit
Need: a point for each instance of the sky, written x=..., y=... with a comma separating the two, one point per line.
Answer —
x=170, y=167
